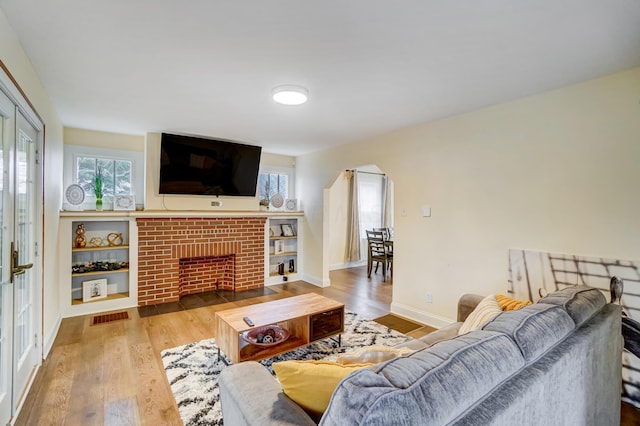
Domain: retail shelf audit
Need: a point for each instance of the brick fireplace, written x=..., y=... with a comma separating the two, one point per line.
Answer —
x=178, y=256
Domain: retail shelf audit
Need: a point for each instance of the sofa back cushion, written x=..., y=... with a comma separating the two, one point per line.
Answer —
x=580, y=302
x=534, y=328
x=430, y=386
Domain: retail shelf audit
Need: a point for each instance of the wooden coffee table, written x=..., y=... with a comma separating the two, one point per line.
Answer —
x=308, y=318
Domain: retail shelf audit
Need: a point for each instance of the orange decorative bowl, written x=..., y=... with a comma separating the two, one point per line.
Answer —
x=267, y=335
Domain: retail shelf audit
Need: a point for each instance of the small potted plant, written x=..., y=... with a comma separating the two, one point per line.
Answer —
x=97, y=189
x=264, y=204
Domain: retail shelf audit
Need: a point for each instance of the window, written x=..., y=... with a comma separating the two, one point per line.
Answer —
x=122, y=170
x=370, y=190
x=273, y=183
x=116, y=174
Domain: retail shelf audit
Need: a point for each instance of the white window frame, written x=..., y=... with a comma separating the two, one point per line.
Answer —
x=71, y=154
x=289, y=171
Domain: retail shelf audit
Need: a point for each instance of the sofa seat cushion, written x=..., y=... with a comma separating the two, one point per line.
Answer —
x=580, y=302
x=534, y=328
x=372, y=355
x=433, y=385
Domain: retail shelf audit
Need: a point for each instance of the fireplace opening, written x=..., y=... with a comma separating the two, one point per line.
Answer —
x=206, y=273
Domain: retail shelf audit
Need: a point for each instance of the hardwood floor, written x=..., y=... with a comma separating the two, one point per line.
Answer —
x=112, y=374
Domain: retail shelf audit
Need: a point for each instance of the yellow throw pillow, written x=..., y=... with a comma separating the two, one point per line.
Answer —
x=510, y=304
x=372, y=355
x=486, y=310
x=311, y=383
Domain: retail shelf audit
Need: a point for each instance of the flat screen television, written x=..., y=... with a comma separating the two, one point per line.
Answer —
x=201, y=166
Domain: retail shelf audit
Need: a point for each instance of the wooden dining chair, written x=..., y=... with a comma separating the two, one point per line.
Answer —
x=385, y=232
x=378, y=253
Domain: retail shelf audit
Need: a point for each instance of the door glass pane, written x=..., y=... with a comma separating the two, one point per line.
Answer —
x=24, y=243
x=3, y=369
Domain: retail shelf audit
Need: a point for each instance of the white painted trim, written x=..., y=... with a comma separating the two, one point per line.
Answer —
x=347, y=265
x=420, y=316
x=47, y=343
x=24, y=395
x=315, y=281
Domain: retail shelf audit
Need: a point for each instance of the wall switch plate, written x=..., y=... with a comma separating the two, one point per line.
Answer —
x=429, y=298
x=426, y=211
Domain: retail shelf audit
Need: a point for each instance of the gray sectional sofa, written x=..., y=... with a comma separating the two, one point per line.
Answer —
x=556, y=362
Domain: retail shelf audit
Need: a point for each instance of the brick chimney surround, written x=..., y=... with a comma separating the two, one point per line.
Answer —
x=186, y=255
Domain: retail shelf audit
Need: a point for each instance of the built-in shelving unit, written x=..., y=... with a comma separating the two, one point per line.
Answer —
x=283, y=254
x=98, y=263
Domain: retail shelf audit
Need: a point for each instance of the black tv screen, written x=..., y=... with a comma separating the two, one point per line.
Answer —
x=202, y=166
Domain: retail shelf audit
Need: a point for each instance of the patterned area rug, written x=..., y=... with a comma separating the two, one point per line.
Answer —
x=193, y=369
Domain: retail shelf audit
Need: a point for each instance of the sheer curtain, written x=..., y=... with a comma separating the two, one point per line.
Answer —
x=353, y=221
x=371, y=201
x=387, y=203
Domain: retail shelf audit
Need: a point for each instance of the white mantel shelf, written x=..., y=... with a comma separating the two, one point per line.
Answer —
x=177, y=213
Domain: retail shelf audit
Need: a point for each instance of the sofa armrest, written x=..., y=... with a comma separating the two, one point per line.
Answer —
x=250, y=395
x=467, y=304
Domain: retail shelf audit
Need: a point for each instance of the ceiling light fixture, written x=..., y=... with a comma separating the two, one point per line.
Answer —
x=290, y=95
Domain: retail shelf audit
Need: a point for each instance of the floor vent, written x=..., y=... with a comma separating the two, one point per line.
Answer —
x=117, y=316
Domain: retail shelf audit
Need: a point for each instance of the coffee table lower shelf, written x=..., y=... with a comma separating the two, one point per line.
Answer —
x=249, y=352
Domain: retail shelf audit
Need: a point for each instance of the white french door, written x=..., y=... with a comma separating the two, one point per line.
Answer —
x=19, y=354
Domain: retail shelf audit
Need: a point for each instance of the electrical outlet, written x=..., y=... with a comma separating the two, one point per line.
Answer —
x=429, y=298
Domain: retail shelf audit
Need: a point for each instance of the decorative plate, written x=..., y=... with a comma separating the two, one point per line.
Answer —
x=75, y=194
x=267, y=335
x=277, y=201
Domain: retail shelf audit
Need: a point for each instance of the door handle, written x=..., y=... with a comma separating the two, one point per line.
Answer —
x=15, y=268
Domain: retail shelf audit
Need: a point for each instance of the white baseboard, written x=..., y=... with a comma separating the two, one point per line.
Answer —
x=47, y=342
x=316, y=281
x=420, y=316
x=347, y=265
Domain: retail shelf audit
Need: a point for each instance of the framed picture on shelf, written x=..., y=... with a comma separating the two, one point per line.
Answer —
x=94, y=290
x=124, y=202
x=287, y=230
x=278, y=247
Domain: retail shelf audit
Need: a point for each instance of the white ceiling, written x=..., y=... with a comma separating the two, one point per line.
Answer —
x=207, y=67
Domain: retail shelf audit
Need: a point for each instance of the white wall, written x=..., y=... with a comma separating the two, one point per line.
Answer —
x=19, y=66
x=555, y=172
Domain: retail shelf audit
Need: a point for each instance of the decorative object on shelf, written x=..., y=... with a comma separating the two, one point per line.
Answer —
x=292, y=266
x=97, y=189
x=264, y=204
x=277, y=201
x=80, y=240
x=114, y=239
x=94, y=290
x=266, y=336
x=95, y=242
x=278, y=247
x=281, y=268
x=287, y=230
x=99, y=266
x=271, y=233
x=74, y=194
x=124, y=202
x=291, y=205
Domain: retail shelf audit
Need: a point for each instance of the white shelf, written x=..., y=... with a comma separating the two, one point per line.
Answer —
x=122, y=284
x=290, y=249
